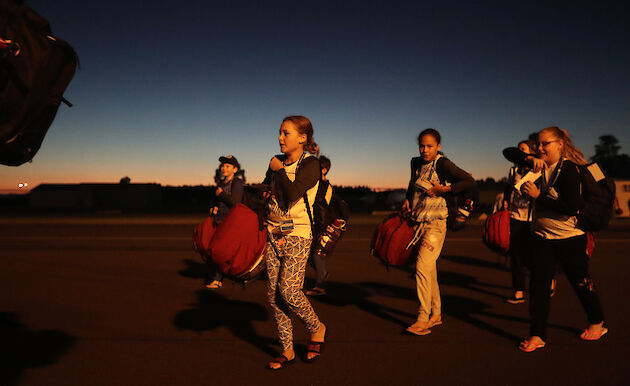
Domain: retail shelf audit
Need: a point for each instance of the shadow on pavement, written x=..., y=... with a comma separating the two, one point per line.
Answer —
x=467, y=260
x=465, y=309
x=23, y=349
x=461, y=280
x=194, y=269
x=345, y=294
x=213, y=310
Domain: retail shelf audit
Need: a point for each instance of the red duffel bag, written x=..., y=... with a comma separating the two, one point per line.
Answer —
x=393, y=240
x=496, y=232
x=238, y=244
x=202, y=236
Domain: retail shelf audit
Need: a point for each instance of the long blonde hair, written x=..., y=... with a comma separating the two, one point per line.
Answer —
x=569, y=151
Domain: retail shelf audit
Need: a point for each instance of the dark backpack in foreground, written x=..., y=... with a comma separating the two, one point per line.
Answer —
x=35, y=69
x=598, y=194
x=328, y=220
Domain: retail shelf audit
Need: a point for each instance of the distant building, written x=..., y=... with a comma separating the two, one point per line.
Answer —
x=91, y=197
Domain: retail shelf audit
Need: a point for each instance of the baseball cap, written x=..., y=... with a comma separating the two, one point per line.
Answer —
x=229, y=159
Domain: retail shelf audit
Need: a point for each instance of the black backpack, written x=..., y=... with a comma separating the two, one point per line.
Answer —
x=598, y=195
x=328, y=220
x=35, y=69
x=325, y=212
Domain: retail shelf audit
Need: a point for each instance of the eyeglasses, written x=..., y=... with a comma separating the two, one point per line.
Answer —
x=545, y=143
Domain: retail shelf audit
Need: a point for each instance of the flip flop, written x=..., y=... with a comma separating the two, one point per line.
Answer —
x=282, y=360
x=418, y=331
x=527, y=346
x=436, y=322
x=593, y=335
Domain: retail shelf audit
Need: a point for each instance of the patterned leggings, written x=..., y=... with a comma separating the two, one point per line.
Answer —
x=286, y=258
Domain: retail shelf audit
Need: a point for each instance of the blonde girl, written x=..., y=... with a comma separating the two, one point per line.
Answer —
x=558, y=238
x=294, y=178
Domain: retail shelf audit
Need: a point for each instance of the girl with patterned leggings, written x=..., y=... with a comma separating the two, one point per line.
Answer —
x=294, y=178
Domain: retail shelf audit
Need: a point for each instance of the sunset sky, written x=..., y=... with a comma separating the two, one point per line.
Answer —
x=165, y=88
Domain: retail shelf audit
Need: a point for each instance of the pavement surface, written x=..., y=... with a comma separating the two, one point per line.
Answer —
x=118, y=300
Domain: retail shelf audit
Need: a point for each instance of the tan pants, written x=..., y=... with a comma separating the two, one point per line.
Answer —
x=432, y=236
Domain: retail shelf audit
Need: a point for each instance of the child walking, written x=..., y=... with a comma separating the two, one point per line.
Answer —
x=294, y=178
x=557, y=237
x=229, y=193
x=425, y=200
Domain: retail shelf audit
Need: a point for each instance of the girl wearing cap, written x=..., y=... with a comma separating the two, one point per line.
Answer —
x=229, y=193
x=557, y=237
x=294, y=178
x=426, y=203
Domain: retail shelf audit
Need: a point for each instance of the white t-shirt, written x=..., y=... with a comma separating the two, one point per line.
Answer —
x=296, y=210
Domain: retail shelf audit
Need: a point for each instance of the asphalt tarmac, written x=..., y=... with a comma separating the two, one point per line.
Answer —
x=119, y=300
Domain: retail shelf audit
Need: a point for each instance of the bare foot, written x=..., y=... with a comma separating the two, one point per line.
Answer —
x=595, y=328
x=289, y=354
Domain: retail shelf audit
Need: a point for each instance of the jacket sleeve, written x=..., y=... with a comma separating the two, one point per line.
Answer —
x=516, y=156
x=237, y=194
x=460, y=180
x=307, y=176
x=569, y=199
x=268, y=176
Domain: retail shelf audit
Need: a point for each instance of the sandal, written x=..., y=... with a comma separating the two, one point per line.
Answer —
x=316, y=291
x=314, y=348
x=418, y=331
x=586, y=335
x=435, y=322
x=282, y=360
x=527, y=346
x=214, y=285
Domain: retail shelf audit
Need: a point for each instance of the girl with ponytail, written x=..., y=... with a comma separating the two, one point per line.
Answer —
x=558, y=238
x=294, y=178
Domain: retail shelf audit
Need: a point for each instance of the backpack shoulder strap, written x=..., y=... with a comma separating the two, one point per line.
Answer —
x=321, y=190
x=308, y=210
x=439, y=167
x=305, y=196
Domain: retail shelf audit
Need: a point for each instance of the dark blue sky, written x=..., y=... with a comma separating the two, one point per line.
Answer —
x=164, y=89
